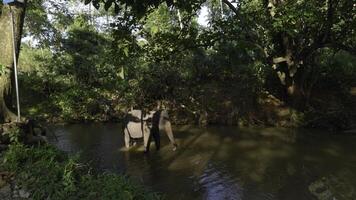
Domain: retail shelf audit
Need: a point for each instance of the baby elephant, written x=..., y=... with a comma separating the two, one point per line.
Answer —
x=148, y=126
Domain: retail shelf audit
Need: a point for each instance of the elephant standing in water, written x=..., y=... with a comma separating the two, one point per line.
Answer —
x=138, y=126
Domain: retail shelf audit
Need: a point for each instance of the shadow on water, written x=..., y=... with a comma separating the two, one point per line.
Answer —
x=226, y=162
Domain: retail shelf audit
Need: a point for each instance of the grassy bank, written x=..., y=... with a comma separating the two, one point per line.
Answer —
x=47, y=173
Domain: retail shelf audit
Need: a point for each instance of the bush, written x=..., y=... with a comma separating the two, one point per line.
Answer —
x=47, y=173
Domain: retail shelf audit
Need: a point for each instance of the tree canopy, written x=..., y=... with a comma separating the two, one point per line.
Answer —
x=130, y=53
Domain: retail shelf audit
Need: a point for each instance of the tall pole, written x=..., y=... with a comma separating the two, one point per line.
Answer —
x=15, y=66
x=221, y=8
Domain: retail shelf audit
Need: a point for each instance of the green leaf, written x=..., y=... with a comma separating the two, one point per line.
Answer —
x=3, y=69
x=86, y=2
x=116, y=8
x=96, y=4
x=108, y=4
x=126, y=51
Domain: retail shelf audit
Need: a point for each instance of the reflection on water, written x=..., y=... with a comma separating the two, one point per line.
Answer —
x=226, y=162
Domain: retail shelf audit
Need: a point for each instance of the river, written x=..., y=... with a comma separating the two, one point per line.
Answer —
x=224, y=162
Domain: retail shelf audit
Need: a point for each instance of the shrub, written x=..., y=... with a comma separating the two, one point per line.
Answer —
x=47, y=173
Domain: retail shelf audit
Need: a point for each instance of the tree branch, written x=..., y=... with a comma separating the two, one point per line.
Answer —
x=328, y=21
x=232, y=7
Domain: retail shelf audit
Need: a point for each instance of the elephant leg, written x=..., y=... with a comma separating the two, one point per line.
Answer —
x=169, y=132
x=156, y=137
x=127, y=138
x=146, y=140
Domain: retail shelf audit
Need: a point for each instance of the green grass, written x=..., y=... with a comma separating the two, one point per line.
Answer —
x=48, y=173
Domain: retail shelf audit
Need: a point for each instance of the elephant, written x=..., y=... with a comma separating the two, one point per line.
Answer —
x=147, y=126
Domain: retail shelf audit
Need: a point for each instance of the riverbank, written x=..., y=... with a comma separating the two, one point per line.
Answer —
x=268, y=111
x=43, y=172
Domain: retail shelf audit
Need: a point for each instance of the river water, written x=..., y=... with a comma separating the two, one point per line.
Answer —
x=225, y=162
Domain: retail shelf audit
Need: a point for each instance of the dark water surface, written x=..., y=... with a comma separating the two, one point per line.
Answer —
x=225, y=162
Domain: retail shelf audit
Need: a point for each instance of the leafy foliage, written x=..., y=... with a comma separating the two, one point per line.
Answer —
x=156, y=51
x=45, y=172
x=140, y=9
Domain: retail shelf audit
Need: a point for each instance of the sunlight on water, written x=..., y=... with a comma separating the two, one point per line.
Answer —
x=225, y=162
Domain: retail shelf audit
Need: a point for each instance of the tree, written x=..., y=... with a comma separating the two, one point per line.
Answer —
x=140, y=9
x=7, y=57
x=285, y=35
x=46, y=21
x=292, y=33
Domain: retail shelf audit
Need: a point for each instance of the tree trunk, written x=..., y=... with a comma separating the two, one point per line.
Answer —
x=7, y=57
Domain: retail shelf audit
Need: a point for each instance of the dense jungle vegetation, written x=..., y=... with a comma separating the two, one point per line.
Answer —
x=287, y=63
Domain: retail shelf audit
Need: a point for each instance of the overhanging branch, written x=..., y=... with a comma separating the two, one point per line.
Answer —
x=232, y=7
